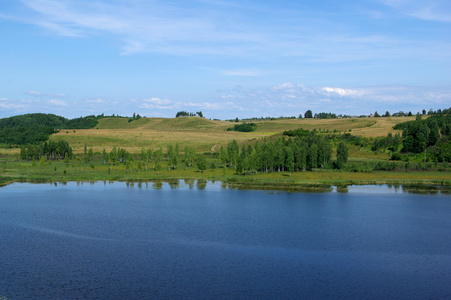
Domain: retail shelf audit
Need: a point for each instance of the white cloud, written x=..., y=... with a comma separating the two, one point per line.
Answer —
x=341, y=92
x=34, y=93
x=48, y=95
x=57, y=102
x=7, y=104
x=157, y=101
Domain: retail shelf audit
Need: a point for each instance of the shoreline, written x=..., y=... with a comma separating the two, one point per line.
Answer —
x=425, y=186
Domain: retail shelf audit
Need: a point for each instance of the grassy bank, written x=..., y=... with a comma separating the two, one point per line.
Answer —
x=13, y=169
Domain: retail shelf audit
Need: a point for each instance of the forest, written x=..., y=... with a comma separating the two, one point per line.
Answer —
x=37, y=128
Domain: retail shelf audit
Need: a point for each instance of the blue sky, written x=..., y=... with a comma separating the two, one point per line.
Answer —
x=228, y=59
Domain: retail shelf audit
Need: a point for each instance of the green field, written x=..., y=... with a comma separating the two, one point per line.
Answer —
x=203, y=134
x=207, y=136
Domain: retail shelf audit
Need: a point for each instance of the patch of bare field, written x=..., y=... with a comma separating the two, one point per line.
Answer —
x=134, y=139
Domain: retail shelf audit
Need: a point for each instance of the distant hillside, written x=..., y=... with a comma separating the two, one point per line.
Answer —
x=36, y=128
x=161, y=124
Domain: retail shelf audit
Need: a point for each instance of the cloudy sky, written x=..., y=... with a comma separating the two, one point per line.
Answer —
x=226, y=58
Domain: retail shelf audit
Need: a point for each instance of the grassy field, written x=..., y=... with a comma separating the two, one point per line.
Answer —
x=206, y=136
x=203, y=134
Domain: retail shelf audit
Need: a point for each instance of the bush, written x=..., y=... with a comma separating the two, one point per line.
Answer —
x=396, y=156
x=245, y=127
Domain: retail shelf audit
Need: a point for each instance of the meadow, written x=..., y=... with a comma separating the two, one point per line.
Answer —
x=204, y=134
x=207, y=136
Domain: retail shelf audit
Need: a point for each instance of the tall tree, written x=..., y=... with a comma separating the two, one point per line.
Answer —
x=201, y=162
x=308, y=114
x=289, y=160
x=342, y=155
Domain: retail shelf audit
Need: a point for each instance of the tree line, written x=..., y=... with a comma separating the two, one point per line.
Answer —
x=292, y=154
x=188, y=114
x=48, y=150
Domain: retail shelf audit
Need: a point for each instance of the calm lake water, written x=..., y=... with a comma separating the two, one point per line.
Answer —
x=191, y=240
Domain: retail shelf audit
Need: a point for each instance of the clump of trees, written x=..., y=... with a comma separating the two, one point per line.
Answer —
x=135, y=117
x=431, y=136
x=189, y=114
x=49, y=150
x=244, y=127
x=390, y=142
x=324, y=115
x=297, y=132
x=293, y=154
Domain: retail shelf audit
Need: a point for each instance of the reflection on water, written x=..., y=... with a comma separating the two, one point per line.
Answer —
x=202, y=184
x=342, y=189
x=190, y=183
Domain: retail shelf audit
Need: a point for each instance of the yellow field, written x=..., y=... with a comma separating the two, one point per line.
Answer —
x=204, y=134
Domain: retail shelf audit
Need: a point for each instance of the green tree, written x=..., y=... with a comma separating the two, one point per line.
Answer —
x=172, y=156
x=144, y=157
x=342, y=155
x=312, y=157
x=232, y=153
x=289, y=160
x=105, y=156
x=189, y=156
x=157, y=157
x=90, y=154
x=308, y=114
x=434, y=133
x=223, y=157
x=201, y=162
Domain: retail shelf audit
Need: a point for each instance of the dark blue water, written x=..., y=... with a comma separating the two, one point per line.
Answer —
x=113, y=241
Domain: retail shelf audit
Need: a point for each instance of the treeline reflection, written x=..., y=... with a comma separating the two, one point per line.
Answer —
x=200, y=184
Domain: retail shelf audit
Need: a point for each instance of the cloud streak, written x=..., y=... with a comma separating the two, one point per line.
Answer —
x=44, y=95
x=431, y=10
x=206, y=28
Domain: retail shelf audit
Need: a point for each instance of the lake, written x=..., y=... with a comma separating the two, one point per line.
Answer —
x=204, y=240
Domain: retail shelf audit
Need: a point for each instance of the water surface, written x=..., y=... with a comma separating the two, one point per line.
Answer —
x=202, y=240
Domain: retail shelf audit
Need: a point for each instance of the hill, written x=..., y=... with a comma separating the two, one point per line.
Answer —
x=36, y=128
x=203, y=134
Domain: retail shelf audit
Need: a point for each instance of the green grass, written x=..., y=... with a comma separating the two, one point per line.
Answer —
x=203, y=134
x=58, y=171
